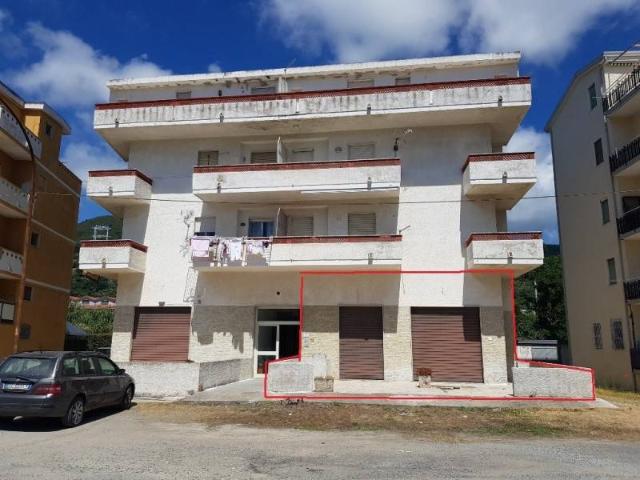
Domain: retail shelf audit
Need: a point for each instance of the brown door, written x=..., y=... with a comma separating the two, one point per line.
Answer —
x=161, y=334
x=361, y=343
x=447, y=340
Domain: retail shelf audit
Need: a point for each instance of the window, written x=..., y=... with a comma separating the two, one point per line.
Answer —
x=604, y=208
x=362, y=223
x=7, y=311
x=70, y=367
x=205, y=226
x=48, y=129
x=365, y=150
x=617, y=337
x=207, y=157
x=630, y=203
x=25, y=331
x=106, y=366
x=87, y=366
x=300, y=226
x=260, y=228
x=183, y=94
x=360, y=83
x=593, y=98
x=35, y=239
x=597, y=149
x=403, y=81
x=263, y=90
x=597, y=336
x=264, y=157
x=28, y=293
x=301, y=155
x=611, y=266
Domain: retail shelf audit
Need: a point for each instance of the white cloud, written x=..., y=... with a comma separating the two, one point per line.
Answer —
x=71, y=72
x=545, y=30
x=11, y=45
x=81, y=157
x=536, y=213
x=214, y=68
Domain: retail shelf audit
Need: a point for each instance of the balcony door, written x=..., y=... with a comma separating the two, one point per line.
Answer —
x=261, y=228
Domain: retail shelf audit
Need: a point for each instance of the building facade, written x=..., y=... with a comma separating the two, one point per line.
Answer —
x=237, y=182
x=38, y=213
x=595, y=132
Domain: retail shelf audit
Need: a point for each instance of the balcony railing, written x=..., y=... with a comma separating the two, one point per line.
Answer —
x=369, y=251
x=629, y=222
x=519, y=251
x=635, y=358
x=632, y=289
x=625, y=155
x=112, y=257
x=378, y=177
x=10, y=263
x=115, y=189
x=12, y=138
x=13, y=196
x=621, y=89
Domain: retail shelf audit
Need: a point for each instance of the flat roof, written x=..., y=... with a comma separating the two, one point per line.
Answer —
x=321, y=70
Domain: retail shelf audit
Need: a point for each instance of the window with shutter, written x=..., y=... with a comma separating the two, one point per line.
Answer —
x=263, y=90
x=360, y=83
x=362, y=223
x=366, y=150
x=205, y=226
x=208, y=157
x=403, y=80
x=301, y=155
x=264, y=157
x=300, y=226
x=183, y=95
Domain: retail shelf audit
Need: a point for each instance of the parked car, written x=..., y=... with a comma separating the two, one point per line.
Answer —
x=61, y=384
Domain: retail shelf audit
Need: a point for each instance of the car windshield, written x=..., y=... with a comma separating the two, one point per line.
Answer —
x=27, y=367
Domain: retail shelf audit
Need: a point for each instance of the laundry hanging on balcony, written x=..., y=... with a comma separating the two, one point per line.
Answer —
x=200, y=247
x=231, y=249
x=257, y=251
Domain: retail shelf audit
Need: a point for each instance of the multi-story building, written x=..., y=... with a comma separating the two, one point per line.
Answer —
x=238, y=181
x=39, y=200
x=595, y=132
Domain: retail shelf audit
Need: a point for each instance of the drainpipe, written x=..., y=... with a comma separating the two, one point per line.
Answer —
x=27, y=233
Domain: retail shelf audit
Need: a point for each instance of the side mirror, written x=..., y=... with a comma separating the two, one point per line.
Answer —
x=120, y=371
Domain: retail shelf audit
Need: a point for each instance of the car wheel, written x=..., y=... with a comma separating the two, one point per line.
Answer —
x=125, y=404
x=75, y=413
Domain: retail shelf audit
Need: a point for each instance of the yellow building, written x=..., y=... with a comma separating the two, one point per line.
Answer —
x=38, y=214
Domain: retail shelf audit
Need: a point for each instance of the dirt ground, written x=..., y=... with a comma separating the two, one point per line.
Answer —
x=439, y=423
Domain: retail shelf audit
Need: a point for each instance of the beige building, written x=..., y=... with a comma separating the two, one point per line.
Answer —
x=595, y=133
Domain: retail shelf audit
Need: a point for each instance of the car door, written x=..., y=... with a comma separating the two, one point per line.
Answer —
x=109, y=374
x=94, y=384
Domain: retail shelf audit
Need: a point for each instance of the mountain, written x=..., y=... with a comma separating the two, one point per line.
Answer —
x=85, y=228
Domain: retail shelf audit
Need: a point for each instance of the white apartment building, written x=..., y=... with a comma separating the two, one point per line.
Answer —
x=239, y=181
x=595, y=132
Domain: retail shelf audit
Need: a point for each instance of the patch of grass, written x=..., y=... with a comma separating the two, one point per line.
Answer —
x=443, y=423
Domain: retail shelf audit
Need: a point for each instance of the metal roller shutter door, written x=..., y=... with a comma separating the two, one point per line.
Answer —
x=361, y=351
x=448, y=341
x=161, y=334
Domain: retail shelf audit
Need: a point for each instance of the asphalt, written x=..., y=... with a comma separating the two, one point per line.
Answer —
x=118, y=445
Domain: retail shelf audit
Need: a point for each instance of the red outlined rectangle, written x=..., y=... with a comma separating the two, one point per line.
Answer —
x=495, y=271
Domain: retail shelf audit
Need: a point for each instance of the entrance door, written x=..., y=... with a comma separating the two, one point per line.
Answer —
x=448, y=341
x=276, y=338
x=361, y=351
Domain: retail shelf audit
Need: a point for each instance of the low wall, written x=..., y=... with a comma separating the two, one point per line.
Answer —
x=178, y=379
x=552, y=382
x=290, y=377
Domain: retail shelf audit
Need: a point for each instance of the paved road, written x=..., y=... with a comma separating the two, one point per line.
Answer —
x=128, y=445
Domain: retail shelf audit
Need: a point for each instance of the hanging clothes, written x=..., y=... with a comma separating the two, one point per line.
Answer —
x=200, y=247
x=231, y=249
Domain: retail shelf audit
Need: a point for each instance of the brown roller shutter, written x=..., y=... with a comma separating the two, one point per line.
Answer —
x=361, y=354
x=447, y=340
x=161, y=334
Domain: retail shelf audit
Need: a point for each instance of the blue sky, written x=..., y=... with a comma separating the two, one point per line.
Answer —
x=62, y=52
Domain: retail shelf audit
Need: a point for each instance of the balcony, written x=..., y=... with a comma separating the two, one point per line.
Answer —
x=12, y=140
x=116, y=189
x=14, y=203
x=629, y=225
x=620, y=99
x=520, y=252
x=503, y=177
x=109, y=258
x=632, y=290
x=337, y=180
x=376, y=252
x=10, y=264
x=498, y=102
x=635, y=358
x=624, y=160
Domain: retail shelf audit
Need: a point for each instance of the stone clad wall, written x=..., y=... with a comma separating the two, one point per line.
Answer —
x=494, y=352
